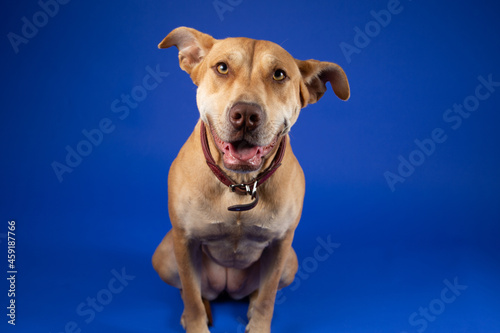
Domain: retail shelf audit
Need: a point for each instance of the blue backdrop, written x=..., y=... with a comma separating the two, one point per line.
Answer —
x=401, y=220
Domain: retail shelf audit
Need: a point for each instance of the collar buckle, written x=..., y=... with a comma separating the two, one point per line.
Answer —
x=252, y=191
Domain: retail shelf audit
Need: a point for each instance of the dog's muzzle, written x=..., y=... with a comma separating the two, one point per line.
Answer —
x=245, y=188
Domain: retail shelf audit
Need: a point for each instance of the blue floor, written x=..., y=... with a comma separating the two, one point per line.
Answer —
x=401, y=223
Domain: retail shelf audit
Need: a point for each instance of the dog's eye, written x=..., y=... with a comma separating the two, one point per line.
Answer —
x=279, y=75
x=222, y=68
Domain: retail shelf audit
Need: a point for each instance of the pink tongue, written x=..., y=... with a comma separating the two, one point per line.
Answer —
x=242, y=151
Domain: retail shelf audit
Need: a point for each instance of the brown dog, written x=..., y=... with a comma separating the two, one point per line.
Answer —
x=236, y=190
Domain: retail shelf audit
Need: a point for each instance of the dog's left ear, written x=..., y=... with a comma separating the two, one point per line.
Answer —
x=315, y=74
x=192, y=45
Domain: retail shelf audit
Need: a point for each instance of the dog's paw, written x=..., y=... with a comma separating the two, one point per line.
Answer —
x=197, y=329
x=253, y=327
x=191, y=326
x=258, y=324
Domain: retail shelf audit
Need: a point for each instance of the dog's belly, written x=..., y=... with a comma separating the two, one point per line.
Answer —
x=234, y=246
x=231, y=264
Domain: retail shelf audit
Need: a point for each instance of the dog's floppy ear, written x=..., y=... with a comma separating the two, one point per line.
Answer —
x=315, y=74
x=192, y=45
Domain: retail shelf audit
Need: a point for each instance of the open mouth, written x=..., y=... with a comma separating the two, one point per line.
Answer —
x=241, y=155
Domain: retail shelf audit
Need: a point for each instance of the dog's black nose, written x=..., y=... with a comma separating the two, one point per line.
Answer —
x=245, y=116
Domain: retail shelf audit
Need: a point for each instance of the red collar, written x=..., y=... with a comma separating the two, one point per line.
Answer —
x=245, y=188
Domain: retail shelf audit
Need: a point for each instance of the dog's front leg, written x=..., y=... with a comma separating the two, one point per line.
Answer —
x=262, y=301
x=188, y=256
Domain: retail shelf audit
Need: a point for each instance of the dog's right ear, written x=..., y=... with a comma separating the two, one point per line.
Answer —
x=192, y=45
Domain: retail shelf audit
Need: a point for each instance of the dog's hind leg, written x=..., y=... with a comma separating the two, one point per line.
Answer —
x=164, y=262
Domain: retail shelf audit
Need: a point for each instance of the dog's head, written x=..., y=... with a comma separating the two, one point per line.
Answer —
x=250, y=92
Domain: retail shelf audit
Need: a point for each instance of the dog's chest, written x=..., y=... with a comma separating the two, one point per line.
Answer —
x=238, y=240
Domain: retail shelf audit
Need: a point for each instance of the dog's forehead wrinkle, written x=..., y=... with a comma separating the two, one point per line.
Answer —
x=273, y=49
x=272, y=59
x=234, y=56
x=237, y=46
